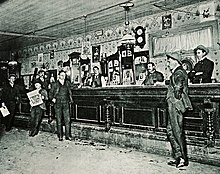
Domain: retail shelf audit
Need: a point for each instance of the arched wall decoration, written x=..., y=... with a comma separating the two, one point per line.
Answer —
x=35, y=49
x=30, y=50
x=55, y=45
x=153, y=23
x=41, y=48
x=48, y=46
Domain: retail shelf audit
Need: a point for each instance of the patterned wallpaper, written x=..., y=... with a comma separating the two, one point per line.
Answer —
x=110, y=39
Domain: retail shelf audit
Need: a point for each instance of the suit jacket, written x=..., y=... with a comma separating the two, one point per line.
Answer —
x=44, y=93
x=151, y=78
x=205, y=66
x=55, y=91
x=10, y=94
x=96, y=81
x=178, y=90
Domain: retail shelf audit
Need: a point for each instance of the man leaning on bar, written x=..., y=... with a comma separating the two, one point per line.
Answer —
x=203, y=69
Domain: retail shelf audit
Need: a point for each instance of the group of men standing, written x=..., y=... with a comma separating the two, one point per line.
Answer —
x=60, y=97
x=178, y=101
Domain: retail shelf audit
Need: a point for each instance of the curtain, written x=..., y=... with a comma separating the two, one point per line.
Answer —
x=185, y=41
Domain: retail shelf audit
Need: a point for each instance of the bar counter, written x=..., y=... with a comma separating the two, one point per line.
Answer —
x=144, y=108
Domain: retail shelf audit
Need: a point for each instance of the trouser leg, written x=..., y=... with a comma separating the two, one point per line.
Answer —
x=66, y=116
x=32, y=121
x=175, y=131
x=50, y=112
x=10, y=118
x=39, y=114
x=174, y=146
x=58, y=113
x=1, y=126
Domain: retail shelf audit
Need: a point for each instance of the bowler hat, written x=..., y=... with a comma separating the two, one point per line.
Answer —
x=38, y=81
x=40, y=71
x=201, y=47
x=174, y=57
x=188, y=63
x=12, y=75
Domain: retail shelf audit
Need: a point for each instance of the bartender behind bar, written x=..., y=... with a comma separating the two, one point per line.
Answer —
x=202, y=71
x=97, y=80
x=152, y=75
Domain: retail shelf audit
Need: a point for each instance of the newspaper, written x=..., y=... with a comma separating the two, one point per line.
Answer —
x=4, y=111
x=35, y=98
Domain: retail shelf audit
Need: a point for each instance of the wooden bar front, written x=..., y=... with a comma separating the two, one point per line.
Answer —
x=144, y=107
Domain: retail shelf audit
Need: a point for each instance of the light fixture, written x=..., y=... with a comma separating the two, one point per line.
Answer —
x=85, y=43
x=127, y=38
x=12, y=62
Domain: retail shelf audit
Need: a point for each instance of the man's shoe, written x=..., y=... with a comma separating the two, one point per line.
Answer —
x=69, y=138
x=7, y=129
x=180, y=162
x=186, y=163
x=30, y=134
x=60, y=139
x=172, y=163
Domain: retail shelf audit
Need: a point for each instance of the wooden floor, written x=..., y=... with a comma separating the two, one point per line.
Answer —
x=44, y=154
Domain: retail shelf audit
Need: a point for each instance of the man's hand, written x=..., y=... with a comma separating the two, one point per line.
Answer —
x=54, y=100
x=199, y=73
x=177, y=94
x=3, y=105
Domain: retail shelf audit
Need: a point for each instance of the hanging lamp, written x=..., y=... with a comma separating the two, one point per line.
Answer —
x=128, y=38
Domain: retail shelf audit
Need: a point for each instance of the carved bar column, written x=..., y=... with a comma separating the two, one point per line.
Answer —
x=210, y=132
x=108, y=122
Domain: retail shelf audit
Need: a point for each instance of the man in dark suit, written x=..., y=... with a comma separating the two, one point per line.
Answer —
x=10, y=96
x=202, y=71
x=152, y=75
x=61, y=95
x=97, y=80
x=178, y=102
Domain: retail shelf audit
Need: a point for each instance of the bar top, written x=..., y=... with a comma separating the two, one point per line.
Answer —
x=204, y=85
x=208, y=90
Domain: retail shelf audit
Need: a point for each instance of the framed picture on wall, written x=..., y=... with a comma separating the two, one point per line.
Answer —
x=95, y=53
x=40, y=57
x=27, y=80
x=140, y=62
x=166, y=21
x=128, y=77
x=52, y=75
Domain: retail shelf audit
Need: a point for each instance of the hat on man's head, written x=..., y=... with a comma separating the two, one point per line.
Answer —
x=174, y=57
x=95, y=67
x=61, y=71
x=201, y=47
x=40, y=71
x=188, y=63
x=38, y=81
x=12, y=75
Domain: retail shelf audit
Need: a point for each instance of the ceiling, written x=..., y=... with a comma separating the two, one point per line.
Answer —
x=25, y=22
